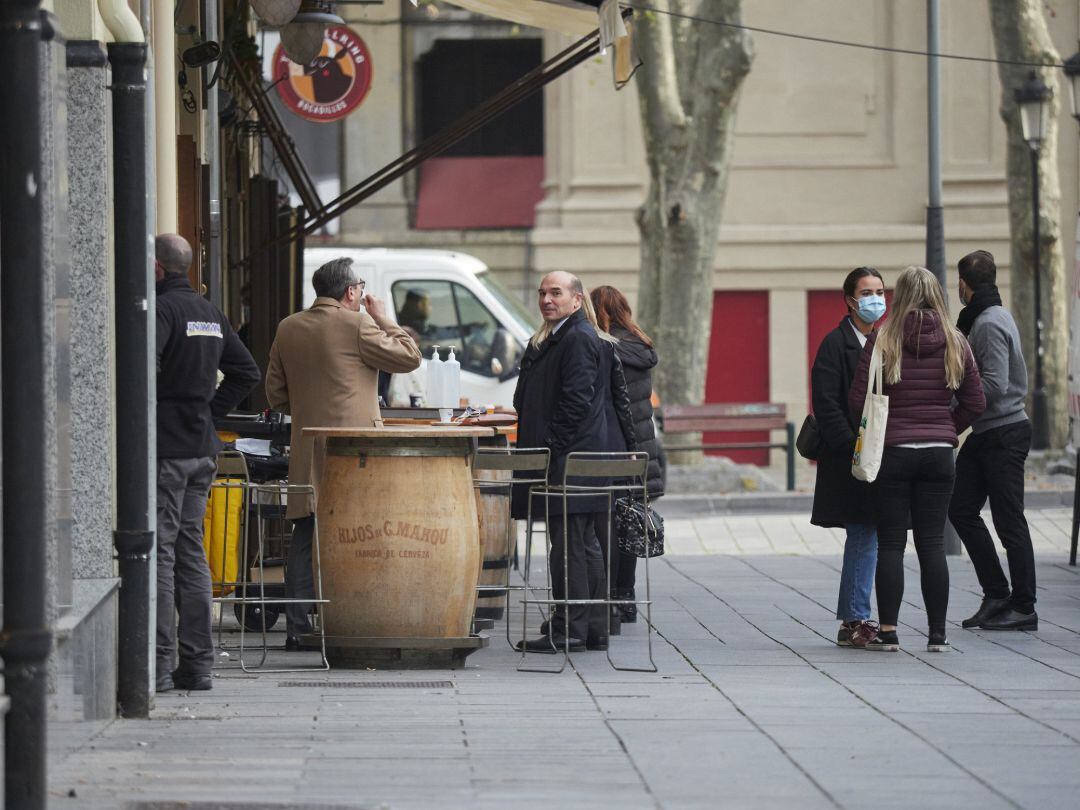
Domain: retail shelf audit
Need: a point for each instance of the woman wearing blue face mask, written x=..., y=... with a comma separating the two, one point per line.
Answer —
x=841, y=500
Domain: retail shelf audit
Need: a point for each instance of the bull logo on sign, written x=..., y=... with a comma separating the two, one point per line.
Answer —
x=329, y=80
x=333, y=84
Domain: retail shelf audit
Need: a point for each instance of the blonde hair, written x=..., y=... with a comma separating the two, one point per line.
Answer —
x=590, y=316
x=918, y=291
x=576, y=287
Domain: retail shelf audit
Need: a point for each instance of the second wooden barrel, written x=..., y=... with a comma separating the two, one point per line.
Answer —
x=493, y=517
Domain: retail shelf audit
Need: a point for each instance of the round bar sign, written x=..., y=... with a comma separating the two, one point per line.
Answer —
x=333, y=85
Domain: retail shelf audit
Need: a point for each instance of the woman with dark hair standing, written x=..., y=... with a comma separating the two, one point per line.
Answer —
x=935, y=393
x=638, y=357
x=840, y=500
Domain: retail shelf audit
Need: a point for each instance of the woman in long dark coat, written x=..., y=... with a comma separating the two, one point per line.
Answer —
x=841, y=500
x=635, y=350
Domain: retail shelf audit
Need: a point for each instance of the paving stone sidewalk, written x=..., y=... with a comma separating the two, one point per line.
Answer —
x=793, y=534
x=752, y=707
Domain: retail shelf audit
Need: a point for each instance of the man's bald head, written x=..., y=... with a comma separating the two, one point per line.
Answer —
x=173, y=253
x=567, y=281
x=561, y=295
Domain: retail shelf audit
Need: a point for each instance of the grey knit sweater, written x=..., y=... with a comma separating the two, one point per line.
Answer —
x=996, y=343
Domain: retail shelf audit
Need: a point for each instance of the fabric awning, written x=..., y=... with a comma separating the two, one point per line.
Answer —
x=565, y=16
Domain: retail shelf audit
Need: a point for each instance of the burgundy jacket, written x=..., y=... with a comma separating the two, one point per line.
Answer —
x=921, y=407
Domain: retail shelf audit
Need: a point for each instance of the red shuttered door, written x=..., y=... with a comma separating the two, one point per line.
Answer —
x=739, y=362
x=824, y=309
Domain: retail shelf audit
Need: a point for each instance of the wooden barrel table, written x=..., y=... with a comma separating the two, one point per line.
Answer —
x=493, y=512
x=399, y=543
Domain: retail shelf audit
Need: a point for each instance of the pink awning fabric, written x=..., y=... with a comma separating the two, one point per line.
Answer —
x=479, y=192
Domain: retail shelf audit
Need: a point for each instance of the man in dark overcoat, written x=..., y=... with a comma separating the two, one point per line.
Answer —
x=562, y=403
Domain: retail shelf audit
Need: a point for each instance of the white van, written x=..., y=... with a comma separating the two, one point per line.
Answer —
x=452, y=301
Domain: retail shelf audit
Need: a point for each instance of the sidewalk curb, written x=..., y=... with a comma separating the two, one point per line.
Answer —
x=777, y=503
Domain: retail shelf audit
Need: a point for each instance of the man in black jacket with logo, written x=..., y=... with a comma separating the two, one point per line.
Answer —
x=194, y=342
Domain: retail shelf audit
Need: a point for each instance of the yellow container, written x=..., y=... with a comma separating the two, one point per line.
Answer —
x=221, y=533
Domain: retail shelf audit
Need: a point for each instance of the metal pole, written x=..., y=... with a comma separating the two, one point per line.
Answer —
x=212, y=134
x=1040, y=432
x=165, y=115
x=935, y=211
x=134, y=536
x=1076, y=513
x=935, y=216
x=26, y=638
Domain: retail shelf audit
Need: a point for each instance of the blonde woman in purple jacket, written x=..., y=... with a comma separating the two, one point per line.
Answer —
x=935, y=394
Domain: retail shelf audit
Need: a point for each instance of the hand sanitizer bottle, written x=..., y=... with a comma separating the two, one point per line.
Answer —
x=434, y=385
x=452, y=382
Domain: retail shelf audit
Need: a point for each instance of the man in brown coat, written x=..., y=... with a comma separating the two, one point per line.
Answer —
x=324, y=369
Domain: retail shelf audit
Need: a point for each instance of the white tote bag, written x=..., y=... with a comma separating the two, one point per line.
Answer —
x=870, y=444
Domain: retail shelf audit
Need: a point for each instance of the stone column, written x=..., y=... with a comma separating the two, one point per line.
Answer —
x=54, y=321
x=91, y=387
x=91, y=327
x=373, y=134
x=595, y=177
x=788, y=378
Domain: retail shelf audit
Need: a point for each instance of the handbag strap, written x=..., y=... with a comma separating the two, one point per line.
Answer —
x=875, y=383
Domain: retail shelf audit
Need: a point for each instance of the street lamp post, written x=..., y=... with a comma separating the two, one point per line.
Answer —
x=1033, y=99
x=1072, y=73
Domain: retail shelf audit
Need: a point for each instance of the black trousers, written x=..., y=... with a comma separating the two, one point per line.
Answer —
x=582, y=570
x=623, y=566
x=299, y=578
x=991, y=465
x=918, y=482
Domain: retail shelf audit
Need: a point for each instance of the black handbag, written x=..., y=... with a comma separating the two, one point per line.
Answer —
x=809, y=441
x=638, y=536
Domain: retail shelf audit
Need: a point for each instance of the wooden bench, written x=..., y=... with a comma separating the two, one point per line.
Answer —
x=730, y=418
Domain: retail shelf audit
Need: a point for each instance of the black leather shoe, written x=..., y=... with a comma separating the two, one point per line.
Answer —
x=1012, y=619
x=547, y=644
x=987, y=610
x=164, y=684
x=597, y=643
x=192, y=683
x=293, y=644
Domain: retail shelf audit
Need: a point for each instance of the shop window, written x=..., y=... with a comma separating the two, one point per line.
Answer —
x=493, y=178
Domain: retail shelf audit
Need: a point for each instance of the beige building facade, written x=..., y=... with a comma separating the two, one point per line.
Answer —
x=829, y=170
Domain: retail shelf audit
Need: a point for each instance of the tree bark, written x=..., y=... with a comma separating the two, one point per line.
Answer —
x=689, y=89
x=1021, y=34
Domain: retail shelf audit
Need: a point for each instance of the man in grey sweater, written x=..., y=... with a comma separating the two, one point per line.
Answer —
x=991, y=462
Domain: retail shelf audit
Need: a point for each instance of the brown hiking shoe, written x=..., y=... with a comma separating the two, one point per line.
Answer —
x=863, y=633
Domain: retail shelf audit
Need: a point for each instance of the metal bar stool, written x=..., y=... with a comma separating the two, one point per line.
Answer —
x=628, y=472
x=495, y=470
x=268, y=503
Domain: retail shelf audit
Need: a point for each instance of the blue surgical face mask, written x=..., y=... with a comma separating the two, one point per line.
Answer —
x=871, y=308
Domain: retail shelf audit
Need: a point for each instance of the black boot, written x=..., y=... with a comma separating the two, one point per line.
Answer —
x=1012, y=619
x=616, y=620
x=629, y=612
x=989, y=608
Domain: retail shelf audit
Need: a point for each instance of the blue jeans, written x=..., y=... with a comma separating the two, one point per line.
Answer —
x=857, y=575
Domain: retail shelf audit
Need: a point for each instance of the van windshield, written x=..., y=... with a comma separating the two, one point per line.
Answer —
x=529, y=320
